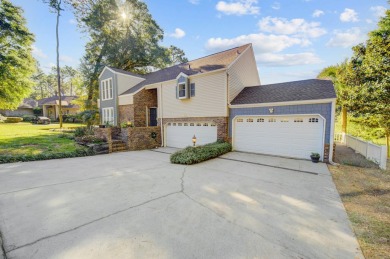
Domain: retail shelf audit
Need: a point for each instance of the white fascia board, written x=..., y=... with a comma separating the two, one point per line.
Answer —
x=118, y=73
x=253, y=105
x=239, y=56
x=181, y=74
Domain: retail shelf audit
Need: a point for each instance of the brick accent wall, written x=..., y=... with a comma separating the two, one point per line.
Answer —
x=106, y=134
x=221, y=122
x=126, y=113
x=143, y=100
x=139, y=138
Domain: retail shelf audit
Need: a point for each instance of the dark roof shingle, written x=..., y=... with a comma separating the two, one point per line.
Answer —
x=312, y=89
x=52, y=101
x=201, y=65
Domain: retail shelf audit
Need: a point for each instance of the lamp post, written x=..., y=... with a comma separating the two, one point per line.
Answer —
x=194, y=140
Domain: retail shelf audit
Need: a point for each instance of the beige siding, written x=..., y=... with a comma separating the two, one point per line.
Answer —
x=125, y=99
x=126, y=82
x=209, y=101
x=243, y=73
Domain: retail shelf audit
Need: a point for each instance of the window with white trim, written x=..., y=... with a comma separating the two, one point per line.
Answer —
x=313, y=120
x=182, y=90
x=108, y=116
x=260, y=120
x=107, y=89
x=271, y=120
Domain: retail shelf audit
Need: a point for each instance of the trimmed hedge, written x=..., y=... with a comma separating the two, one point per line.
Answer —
x=25, y=158
x=13, y=120
x=194, y=155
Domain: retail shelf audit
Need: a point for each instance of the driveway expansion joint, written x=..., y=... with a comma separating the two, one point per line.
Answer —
x=274, y=166
x=2, y=246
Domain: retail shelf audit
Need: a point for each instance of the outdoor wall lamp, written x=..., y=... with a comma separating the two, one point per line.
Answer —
x=194, y=140
x=271, y=110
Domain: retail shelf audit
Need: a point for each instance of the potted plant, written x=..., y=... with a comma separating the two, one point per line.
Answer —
x=315, y=157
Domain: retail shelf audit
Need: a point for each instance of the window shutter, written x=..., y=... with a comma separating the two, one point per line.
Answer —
x=187, y=88
x=192, y=89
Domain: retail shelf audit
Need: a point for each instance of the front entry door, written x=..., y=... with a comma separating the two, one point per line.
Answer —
x=153, y=117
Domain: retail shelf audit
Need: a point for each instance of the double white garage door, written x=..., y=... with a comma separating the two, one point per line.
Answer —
x=179, y=134
x=290, y=136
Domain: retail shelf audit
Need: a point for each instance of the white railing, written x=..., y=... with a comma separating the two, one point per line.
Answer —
x=375, y=153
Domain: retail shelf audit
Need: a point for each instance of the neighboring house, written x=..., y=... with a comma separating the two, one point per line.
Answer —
x=50, y=106
x=220, y=97
x=25, y=108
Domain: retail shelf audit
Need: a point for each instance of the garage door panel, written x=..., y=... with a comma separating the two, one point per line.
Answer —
x=181, y=136
x=295, y=137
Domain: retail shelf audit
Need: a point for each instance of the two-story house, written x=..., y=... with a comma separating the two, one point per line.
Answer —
x=220, y=97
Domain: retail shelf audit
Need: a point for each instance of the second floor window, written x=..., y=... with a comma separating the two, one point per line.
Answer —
x=107, y=89
x=182, y=90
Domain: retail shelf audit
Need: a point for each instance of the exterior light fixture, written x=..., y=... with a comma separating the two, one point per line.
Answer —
x=271, y=110
x=194, y=140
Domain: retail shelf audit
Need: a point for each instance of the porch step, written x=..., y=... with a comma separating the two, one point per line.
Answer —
x=118, y=146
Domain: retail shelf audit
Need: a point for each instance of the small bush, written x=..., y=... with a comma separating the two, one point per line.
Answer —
x=13, y=120
x=82, y=131
x=89, y=139
x=28, y=118
x=25, y=158
x=194, y=155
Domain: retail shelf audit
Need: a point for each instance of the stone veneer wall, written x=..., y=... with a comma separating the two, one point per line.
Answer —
x=139, y=138
x=126, y=113
x=221, y=122
x=142, y=100
x=106, y=134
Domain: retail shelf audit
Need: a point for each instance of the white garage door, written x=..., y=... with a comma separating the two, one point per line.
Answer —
x=291, y=136
x=179, y=134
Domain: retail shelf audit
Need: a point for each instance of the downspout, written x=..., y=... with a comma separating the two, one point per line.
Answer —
x=161, y=117
x=331, y=141
x=227, y=104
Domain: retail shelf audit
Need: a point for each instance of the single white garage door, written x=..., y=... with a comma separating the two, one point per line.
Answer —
x=179, y=134
x=290, y=136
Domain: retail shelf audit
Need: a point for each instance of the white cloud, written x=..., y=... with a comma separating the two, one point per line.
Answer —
x=194, y=1
x=66, y=59
x=72, y=21
x=369, y=21
x=294, y=26
x=261, y=43
x=346, y=38
x=349, y=15
x=38, y=53
x=379, y=11
x=275, y=5
x=272, y=59
x=318, y=13
x=179, y=33
x=240, y=7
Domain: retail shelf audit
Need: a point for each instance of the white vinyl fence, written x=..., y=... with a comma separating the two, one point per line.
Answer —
x=375, y=153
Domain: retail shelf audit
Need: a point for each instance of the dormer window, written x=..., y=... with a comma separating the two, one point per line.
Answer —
x=182, y=87
x=182, y=90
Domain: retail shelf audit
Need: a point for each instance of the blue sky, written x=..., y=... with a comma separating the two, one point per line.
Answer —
x=292, y=39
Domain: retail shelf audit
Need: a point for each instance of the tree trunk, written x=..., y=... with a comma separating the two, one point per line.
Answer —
x=388, y=142
x=58, y=64
x=344, y=119
x=94, y=76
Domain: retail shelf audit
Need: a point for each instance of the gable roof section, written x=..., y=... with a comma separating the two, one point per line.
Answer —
x=121, y=71
x=28, y=103
x=312, y=89
x=220, y=60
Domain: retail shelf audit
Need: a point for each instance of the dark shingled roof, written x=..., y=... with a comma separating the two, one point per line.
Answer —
x=28, y=103
x=206, y=64
x=52, y=101
x=312, y=89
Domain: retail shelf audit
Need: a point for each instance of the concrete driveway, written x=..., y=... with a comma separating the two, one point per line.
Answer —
x=138, y=205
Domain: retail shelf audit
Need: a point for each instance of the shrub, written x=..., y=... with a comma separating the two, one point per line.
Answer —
x=38, y=111
x=82, y=131
x=128, y=124
x=13, y=120
x=194, y=155
x=89, y=139
x=28, y=118
x=24, y=158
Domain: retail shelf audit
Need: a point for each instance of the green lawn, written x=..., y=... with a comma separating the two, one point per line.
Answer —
x=361, y=131
x=29, y=139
